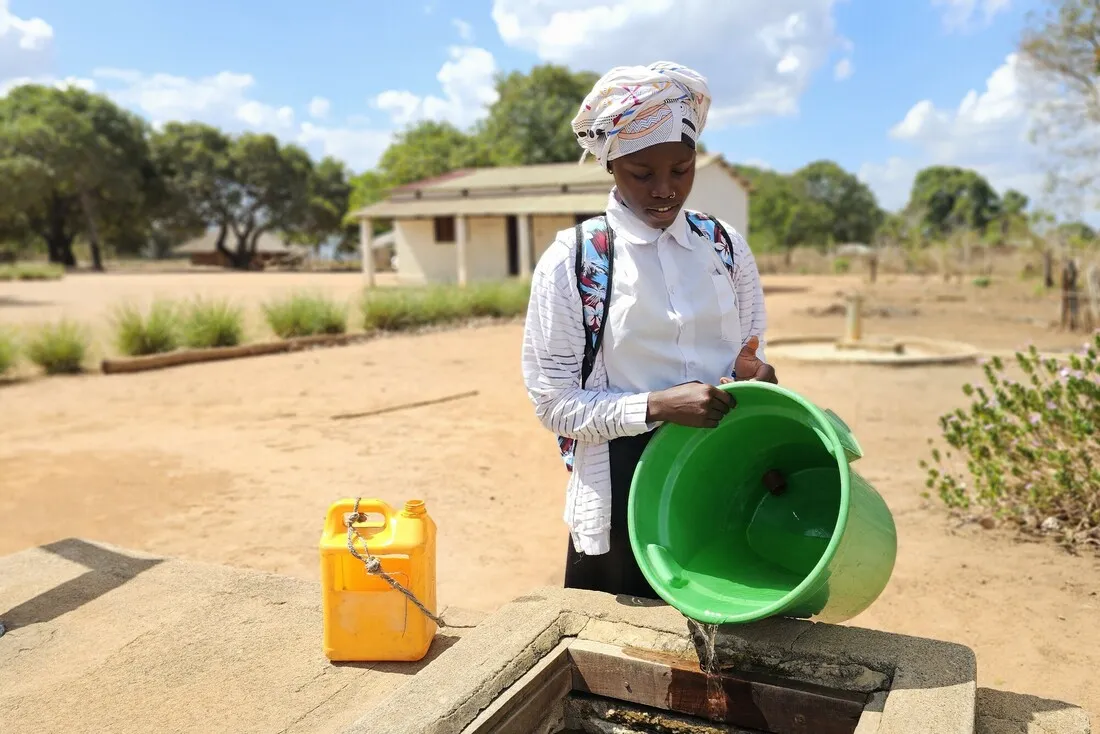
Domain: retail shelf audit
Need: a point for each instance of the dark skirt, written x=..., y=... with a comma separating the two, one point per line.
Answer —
x=615, y=572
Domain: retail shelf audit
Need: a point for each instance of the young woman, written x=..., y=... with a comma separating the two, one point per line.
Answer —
x=680, y=317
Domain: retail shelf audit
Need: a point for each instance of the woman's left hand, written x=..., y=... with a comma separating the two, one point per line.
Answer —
x=748, y=366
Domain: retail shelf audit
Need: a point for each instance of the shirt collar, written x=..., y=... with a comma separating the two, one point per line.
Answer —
x=629, y=228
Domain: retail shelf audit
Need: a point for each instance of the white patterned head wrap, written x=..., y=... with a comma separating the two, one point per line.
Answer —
x=634, y=107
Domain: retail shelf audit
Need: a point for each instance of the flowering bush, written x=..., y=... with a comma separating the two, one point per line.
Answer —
x=1031, y=448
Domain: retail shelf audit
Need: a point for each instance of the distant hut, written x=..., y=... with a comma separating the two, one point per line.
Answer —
x=270, y=250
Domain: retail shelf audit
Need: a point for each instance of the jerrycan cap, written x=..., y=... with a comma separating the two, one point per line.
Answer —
x=413, y=508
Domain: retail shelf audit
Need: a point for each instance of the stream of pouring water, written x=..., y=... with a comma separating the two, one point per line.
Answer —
x=716, y=695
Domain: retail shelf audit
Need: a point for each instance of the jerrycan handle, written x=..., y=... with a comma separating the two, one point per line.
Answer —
x=340, y=511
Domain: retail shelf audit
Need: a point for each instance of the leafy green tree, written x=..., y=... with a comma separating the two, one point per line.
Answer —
x=328, y=195
x=71, y=163
x=424, y=150
x=530, y=121
x=953, y=199
x=241, y=187
x=853, y=211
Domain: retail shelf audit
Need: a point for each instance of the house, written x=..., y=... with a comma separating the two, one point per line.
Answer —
x=270, y=250
x=492, y=223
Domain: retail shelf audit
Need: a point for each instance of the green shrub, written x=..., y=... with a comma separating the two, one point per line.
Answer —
x=1031, y=448
x=31, y=271
x=138, y=333
x=982, y=281
x=304, y=314
x=212, y=323
x=58, y=348
x=9, y=351
x=401, y=309
x=841, y=265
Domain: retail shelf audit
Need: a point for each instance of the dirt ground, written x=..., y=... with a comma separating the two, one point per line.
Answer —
x=236, y=462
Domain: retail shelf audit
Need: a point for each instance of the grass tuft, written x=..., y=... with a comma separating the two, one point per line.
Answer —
x=402, y=309
x=305, y=314
x=212, y=323
x=155, y=332
x=9, y=352
x=58, y=348
x=31, y=271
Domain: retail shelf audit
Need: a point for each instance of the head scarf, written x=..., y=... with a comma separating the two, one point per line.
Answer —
x=634, y=107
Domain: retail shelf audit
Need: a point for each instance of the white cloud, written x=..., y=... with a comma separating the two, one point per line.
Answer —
x=465, y=30
x=776, y=48
x=358, y=147
x=987, y=132
x=26, y=46
x=467, y=82
x=843, y=69
x=965, y=15
x=319, y=107
x=222, y=99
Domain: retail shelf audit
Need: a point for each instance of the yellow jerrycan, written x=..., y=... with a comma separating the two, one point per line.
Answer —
x=378, y=586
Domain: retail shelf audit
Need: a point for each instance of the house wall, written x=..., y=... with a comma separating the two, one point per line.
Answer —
x=719, y=194
x=543, y=231
x=420, y=259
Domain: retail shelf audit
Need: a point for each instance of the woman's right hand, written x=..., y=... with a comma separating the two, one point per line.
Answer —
x=692, y=404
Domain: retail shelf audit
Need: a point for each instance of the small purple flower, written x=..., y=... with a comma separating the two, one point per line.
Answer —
x=1034, y=419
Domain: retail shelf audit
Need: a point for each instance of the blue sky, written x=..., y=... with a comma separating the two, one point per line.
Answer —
x=884, y=87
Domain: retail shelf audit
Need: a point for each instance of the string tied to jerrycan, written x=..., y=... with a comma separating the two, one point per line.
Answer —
x=378, y=605
x=761, y=516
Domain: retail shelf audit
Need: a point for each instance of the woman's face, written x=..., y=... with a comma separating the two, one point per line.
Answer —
x=655, y=181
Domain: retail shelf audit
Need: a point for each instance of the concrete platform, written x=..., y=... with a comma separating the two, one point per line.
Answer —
x=111, y=641
x=914, y=685
x=106, y=640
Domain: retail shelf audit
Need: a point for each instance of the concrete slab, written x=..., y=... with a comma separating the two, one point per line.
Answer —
x=1003, y=712
x=101, y=639
x=929, y=685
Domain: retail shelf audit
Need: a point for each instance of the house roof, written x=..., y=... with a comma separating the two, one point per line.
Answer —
x=488, y=206
x=268, y=243
x=551, y=188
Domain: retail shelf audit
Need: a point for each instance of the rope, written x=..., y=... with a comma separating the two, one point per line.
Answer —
x=374, y=566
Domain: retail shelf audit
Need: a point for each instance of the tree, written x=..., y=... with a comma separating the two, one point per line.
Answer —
x=245, y=186
x=953, y=199
x=1059, y=55
x=853, y=211
x=72, y=162
x=530, y=121
x=328, y=195
x=424, y=150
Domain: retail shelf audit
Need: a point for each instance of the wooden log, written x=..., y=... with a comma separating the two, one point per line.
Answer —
x=214, y=354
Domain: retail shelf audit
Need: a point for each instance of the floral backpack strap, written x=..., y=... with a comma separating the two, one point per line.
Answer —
x=707, y=226
x=595, y=258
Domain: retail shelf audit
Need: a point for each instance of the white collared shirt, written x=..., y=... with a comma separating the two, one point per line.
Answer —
x=674, y=316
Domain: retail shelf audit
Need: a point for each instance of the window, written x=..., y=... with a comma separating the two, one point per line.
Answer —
x=444, y=229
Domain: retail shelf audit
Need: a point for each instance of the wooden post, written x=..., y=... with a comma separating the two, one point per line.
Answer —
x=366, y=250
x=525, y=267
x=853, y=328
x=460, y=248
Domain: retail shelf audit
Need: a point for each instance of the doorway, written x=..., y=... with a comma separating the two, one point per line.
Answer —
x=512, y=229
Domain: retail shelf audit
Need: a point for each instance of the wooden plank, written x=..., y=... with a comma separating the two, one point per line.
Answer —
x=677, y=684
x=533, y=702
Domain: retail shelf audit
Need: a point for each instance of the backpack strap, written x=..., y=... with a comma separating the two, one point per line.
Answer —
x=707, y=226
x=594, y=263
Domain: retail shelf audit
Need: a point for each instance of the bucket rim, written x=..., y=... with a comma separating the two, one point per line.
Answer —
x=835, y=447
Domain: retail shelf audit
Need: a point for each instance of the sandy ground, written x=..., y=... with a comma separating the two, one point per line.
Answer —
x=236, y=462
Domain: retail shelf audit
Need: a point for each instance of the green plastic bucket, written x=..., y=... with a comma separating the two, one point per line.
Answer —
x=721, y=547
